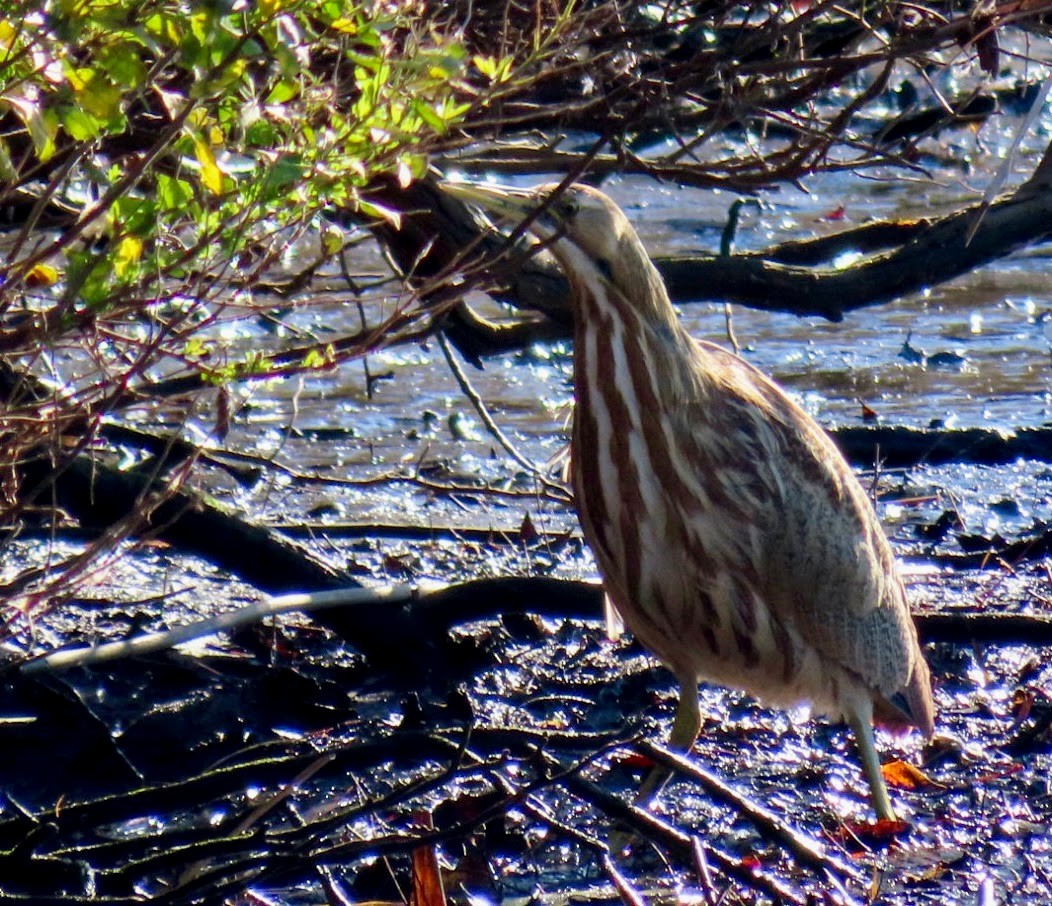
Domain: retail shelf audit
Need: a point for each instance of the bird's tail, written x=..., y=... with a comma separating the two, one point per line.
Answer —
x=911, y=706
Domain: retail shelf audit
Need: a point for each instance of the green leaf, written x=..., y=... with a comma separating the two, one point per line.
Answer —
x=332, y=239
x=379, y=212
x=123, y=64
x=417, y=164
x=101, y=98
x=80, y=126
x=284, y=172
x=319, y=359
x=173, y=193
x=504, y=69
x=197, y=348
x=166, y=27
x=283, y=91
x=429, y=115
x=453, y=111
x=40, y=132
x=133, y=214
x=262, y=134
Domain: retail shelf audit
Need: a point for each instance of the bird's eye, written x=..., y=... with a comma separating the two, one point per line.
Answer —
x=604, y=268
x=568, y=208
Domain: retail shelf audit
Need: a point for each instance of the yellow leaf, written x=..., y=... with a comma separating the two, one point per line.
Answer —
x=79, y=78
x=129, y=250
x=198, y=117
x=347, y=26
x=41, y=275
x=486, y=65
x=7, y=34
x=211, y=175
x=101, y=98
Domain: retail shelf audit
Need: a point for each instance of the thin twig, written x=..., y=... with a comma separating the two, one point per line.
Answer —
x=1004, y=171
x=253, y=613
x=480, y=408
x=701, y=862
x=675, y=840
x=806, y=849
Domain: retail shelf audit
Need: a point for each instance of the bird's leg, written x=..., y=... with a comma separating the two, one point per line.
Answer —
x=684, y=732
x=861, y=720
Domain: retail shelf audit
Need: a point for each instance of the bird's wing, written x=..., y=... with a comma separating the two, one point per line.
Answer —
x=821, y=560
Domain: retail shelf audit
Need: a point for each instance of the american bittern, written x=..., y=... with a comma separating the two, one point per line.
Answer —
x=731, y=535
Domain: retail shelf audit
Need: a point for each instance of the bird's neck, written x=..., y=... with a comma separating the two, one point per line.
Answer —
x=635, y=345
x=641, y=318
x=638, y=298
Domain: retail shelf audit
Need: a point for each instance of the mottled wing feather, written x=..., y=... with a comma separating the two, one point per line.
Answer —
x=825, y=567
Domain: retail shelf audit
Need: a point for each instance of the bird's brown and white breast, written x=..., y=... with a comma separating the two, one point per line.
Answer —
x=732, y=553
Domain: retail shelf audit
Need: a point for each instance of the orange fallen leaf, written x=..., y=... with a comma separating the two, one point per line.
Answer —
x=904, y=776
x=752, y=862
x=872, y=833
x=1022, y=704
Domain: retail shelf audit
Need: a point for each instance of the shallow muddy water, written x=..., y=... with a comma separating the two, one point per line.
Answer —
x=993, y=323
x=419, y=422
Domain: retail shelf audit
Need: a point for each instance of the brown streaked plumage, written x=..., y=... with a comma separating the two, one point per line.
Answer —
x=732, y=537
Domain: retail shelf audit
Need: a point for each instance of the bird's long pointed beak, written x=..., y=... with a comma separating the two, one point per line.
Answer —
x=498, y=200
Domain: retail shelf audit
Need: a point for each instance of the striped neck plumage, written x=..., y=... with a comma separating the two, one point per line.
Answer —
x=629, y=288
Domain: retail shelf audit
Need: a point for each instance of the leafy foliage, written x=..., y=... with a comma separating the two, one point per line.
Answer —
x=160, y=158
x=251, y=136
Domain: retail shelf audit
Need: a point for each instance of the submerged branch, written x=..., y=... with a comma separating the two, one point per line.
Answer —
x=933, y=252
x=435, y=610
x=796, y=277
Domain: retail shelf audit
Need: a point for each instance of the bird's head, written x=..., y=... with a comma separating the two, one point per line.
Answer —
x=586, y=231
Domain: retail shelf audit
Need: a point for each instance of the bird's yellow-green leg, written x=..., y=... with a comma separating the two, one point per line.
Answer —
x=685, y=730
x=862, y=725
